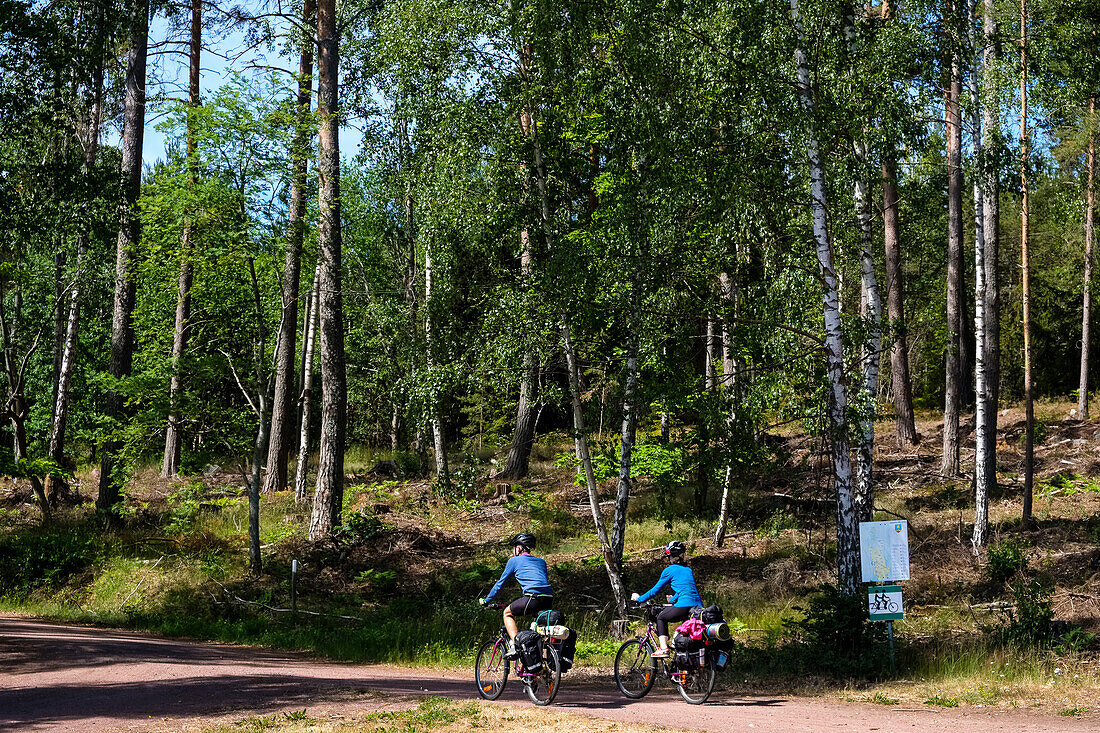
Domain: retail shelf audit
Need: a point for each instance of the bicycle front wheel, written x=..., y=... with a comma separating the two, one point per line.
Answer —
x=698, y=683
x=543, y=687
x=635, y=668
x=491, y=669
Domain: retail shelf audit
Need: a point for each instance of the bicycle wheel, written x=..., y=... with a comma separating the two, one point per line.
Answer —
x=698, y=683
x=635, y=668
x=543, y=687
x=491, y=669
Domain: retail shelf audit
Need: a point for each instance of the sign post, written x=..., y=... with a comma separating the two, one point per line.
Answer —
x=884, y=557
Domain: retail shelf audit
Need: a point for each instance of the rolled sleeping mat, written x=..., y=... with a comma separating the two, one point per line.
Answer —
x=717, y=632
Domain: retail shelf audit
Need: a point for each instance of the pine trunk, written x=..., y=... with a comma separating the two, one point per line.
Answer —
x=282, y=408
x=173, y=439
x=846, y=535
x=902, y=386
x=953, y=376
x=328, y=496
x=129, y=231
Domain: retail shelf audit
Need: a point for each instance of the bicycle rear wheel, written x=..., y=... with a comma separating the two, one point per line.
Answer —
x=491, y=669
x=635, y=668
x=543, y=687
x=698, y=683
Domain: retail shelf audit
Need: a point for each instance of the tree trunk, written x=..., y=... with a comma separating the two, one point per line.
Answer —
x=991, y=147
x=328, y=497
x=872, y=352
x=1025, y=265
x=1086, y=309
x=847, y=541
x=953, y=376
x=584, y=459
x=173, y=438
x=629, y=430
x=984, y=442
x=129, y=231
x=519, y=454
x=67, y=362
x=309, y=335
x=282, y=412
x=259, y=449
x=895, y=307
x=439, y=445
x=731, y=390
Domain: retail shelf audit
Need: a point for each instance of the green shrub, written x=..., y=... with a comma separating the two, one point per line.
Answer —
x=30, y=560
x=1030, y=624
x=1006, y=559
x=836, y=635
x=360, y=527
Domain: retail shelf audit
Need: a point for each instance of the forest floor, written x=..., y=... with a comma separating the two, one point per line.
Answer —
x=83, y=680
x=412, y=551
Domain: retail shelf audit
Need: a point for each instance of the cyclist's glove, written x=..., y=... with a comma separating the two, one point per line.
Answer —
x=634, y=597
x=482, y=601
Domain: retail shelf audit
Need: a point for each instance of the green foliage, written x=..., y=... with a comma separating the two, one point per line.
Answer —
x=943, y=701
x=362, y=527
x=1006, y=559
x=835, y=632
x=378, y=579
x=33, y=559
x=778, y=521
x=1030, y=623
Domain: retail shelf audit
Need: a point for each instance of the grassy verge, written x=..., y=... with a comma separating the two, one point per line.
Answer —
x=433, y=715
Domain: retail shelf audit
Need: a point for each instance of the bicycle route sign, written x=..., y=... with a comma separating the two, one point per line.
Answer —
x=884, y=551
x=884, y=602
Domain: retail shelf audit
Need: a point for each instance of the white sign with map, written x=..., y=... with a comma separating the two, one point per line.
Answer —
x=884, y=551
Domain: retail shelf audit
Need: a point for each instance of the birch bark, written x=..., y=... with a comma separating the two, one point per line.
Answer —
x=847, y=544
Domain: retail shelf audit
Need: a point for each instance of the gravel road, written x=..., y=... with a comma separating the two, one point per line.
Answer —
x=89, y=680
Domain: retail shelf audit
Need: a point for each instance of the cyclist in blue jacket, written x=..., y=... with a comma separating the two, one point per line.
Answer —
x=685, y=595
x=531, y=574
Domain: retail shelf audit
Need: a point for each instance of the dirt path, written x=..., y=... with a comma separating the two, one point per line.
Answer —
x=65, y=678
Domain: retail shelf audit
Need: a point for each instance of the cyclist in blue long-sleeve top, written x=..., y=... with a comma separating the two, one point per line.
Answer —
x=531, y=574
x=685, y=595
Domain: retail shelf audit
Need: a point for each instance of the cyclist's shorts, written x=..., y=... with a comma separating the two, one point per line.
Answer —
x=530, y=605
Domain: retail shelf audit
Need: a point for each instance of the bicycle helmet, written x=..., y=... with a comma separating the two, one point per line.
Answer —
x=675, y=549
x=526, y=540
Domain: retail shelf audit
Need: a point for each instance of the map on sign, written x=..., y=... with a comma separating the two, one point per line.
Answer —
x=884, y=551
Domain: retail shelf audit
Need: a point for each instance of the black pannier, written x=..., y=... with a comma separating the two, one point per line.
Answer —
x=722, y=651
x=684, y=643
x=529, y=648
x=567, y=648
x=711, y=615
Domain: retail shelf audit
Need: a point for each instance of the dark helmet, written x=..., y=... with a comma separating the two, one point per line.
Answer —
x=526, y=540
x=675, y=549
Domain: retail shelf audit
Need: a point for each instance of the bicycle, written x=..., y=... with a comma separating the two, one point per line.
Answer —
x=491, y=669
x=636, y=669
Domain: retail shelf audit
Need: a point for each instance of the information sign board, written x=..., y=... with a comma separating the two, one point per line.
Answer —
x=884, y=551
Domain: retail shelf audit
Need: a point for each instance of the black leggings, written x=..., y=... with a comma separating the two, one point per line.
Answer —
x=671, y=613
x=530, y=605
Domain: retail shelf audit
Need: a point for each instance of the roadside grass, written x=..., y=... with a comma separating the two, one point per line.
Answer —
x=434, y=714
